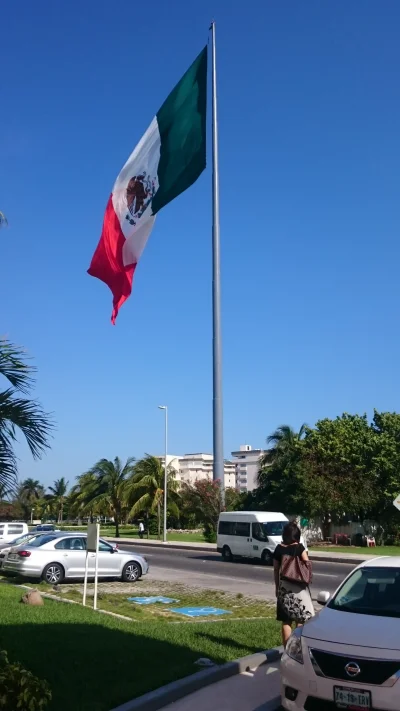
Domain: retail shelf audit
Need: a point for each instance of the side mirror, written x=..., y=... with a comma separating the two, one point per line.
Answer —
x=323, y=597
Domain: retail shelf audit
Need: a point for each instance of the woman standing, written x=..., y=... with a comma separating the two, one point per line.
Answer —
x=294, y=604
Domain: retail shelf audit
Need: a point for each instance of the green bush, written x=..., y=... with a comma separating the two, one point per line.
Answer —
x=20, y=690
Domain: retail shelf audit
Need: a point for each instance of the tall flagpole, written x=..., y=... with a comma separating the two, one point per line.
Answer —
x=218, y=471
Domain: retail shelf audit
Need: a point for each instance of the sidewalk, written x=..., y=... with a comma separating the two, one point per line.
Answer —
x=257, y=690
x=211, y=547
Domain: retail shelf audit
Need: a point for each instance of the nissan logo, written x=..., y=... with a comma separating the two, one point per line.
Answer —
x=352, y=669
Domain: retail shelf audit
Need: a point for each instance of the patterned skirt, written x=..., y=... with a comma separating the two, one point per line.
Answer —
x=294, y=603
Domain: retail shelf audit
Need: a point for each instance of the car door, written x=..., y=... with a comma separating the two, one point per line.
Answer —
x=109, y=561
x=72, y=555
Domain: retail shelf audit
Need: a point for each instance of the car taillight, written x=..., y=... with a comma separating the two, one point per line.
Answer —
x=24, y=554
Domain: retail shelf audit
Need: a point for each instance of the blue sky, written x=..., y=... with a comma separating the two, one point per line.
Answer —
x=309, y=105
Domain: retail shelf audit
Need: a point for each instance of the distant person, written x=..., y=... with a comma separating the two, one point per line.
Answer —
x=294, y=603
x=141, y=529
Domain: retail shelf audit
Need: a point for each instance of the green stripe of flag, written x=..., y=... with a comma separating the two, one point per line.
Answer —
x=182, y=126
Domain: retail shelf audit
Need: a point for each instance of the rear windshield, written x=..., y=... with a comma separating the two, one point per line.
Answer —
x=41, y=540
x=370, y=591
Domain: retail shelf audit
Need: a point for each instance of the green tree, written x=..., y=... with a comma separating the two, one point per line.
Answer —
x=145, y=492
x=110, y=484
x=339, y=472
x=81, y=498
x=204, y=498
x=19, y=413
x=386, y=428
x=58, y=493
x=283, y=445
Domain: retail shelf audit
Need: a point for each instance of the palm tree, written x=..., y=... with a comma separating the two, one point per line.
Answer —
x=17, y=412
x=145, y=492
x=109, y=486
x=59, y=491
x=32, y=489
x=82, y=495
x=29, y=493
x=282, y=447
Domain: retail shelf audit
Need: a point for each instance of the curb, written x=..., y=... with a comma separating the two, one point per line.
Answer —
x=155, y=700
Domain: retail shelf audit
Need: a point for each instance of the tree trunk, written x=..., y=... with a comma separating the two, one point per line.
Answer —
x=159, y=520
x=116, y=519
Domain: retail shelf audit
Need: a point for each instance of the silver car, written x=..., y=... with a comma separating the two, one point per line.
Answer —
x=6, y=546
x=55, y=557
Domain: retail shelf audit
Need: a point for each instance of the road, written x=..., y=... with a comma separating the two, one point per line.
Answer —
x=207, y=570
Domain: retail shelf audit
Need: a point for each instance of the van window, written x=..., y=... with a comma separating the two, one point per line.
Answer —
x=259, y=533
x=12, y=528
x=226, y=528
x=274, y=528
x=1, y=530
x=242, y=529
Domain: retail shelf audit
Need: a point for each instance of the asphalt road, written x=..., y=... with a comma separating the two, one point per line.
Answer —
x=208, y=570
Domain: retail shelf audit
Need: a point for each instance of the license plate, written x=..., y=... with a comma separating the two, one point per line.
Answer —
x=352, y=699
x=12, y=556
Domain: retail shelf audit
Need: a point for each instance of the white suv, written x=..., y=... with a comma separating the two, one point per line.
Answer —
x=348, y=655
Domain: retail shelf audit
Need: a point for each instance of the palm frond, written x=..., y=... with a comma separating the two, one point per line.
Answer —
x=28, y=416
x=13, y=367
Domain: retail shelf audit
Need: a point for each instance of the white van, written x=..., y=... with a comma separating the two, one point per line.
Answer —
x=9, y=531
x=251, y=534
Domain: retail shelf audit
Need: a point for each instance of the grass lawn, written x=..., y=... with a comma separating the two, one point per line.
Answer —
x=379, y=550
x=116, y=601
x=94, y=662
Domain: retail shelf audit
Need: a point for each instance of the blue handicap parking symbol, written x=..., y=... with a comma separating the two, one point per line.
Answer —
x=152, y=600
x=200, y=611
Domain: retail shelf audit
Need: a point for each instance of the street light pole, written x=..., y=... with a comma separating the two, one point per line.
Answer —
x=165, y=408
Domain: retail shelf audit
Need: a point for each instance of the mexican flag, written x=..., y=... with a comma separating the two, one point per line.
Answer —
x=167, y=160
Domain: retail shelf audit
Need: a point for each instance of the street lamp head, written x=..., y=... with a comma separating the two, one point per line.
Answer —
x=162, y=407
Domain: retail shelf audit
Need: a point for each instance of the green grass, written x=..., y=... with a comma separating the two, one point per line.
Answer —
x=94, y=662
x=378, y=550
x=237, y=605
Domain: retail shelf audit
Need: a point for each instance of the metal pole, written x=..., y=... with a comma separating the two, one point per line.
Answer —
x=218, y=470
x=96, y=568
x=165, y=476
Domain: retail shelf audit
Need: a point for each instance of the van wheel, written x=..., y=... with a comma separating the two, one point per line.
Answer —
x=227, y=554
x=266, y=558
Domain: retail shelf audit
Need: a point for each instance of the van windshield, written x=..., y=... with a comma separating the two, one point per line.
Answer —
x=274, y=528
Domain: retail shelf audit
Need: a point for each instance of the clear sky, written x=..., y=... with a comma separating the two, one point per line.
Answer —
x=309, y=109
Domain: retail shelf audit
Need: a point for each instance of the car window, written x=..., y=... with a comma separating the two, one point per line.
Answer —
x=1, y=530
x=370, y=591
x=274, y=528
x=258, y=532
x=71, y=544
x=226, y=528
x=242, y=529
x=41, y=540
x=105, y=547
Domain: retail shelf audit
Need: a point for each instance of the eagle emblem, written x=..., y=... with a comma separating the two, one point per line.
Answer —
x=139, y=194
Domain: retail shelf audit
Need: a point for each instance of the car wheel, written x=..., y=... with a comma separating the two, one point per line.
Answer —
x=53, y=574
x=227, y=554
x=266, y=558
x=131, y=572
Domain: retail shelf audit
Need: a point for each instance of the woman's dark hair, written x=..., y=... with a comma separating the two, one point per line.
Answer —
x=291, y=534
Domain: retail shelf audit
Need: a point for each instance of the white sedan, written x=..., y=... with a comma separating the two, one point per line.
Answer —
x=348, y=655
x=56, y=556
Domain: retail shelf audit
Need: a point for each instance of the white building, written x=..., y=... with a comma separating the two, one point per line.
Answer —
x=192, y=467
x=247, y=464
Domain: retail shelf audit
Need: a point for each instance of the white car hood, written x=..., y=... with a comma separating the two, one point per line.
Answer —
x=354, y=629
